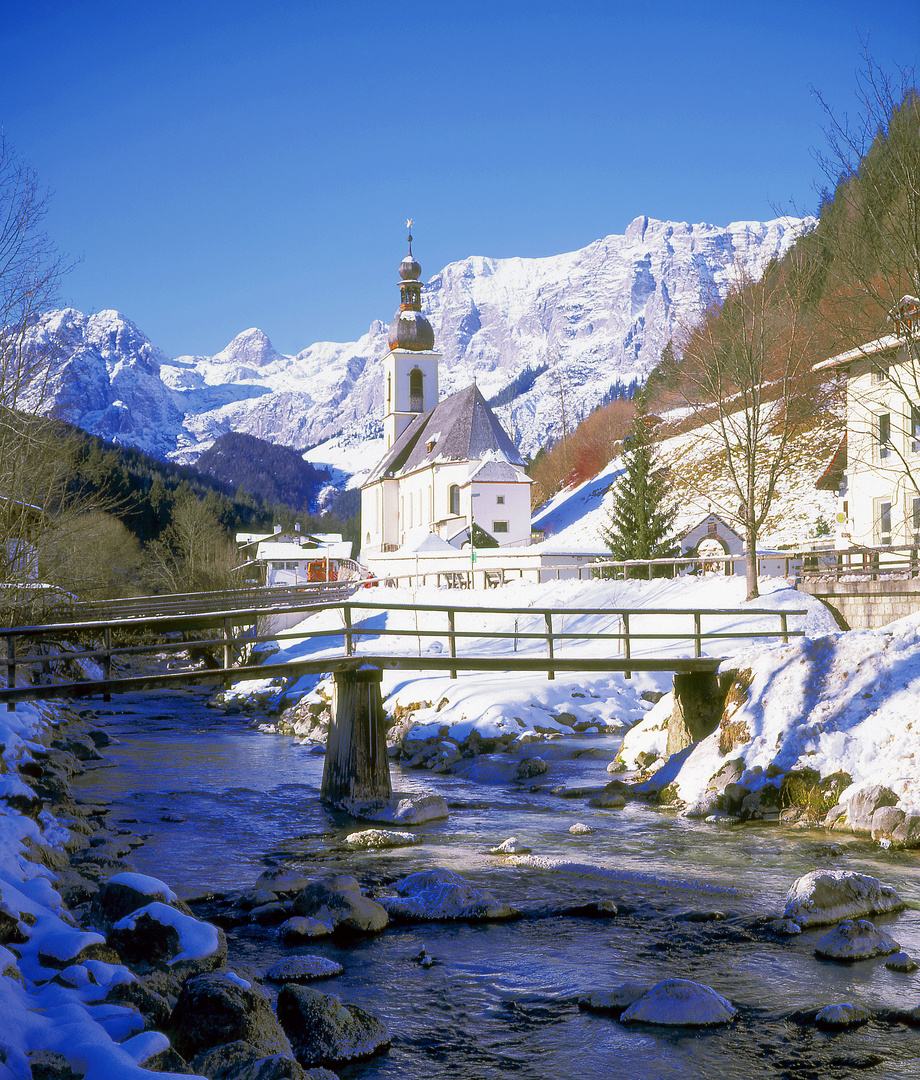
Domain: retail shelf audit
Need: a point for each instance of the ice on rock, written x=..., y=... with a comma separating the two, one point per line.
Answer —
x=378, y=839
x=681, y=1003
x=511, y=846
x=824, y=897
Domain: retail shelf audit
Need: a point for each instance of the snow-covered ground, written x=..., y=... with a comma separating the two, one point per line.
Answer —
x=839, y=702
x=42, y=1008
x=575, y=518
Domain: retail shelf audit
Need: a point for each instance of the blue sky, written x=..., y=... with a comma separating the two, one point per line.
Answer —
x=221, y=165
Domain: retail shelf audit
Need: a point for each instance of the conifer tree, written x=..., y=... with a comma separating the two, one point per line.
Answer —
x=643, y=512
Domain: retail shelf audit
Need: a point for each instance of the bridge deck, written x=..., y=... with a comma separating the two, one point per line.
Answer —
x=204, y=676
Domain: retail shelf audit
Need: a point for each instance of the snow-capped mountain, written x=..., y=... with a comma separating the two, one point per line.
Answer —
x=582, y=323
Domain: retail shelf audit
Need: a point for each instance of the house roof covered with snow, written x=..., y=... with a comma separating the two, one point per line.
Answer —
x=462, y=427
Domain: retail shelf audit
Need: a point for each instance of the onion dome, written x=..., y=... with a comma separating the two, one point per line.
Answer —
x=410, y=329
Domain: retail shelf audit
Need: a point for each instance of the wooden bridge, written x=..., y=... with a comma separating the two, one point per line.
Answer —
x=349, y=637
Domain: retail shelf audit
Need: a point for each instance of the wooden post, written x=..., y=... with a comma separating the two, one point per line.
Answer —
x=357, y=769
x=10, y=668
x=107, y=662
x=549, y=642
x=626, y=649
x=698, y=631
x=349, y=644
x=451, y=630
x=228, y=633
x=783, y=623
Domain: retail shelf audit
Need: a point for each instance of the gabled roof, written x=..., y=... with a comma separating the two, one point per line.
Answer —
x=497, y=472
x=462, y=427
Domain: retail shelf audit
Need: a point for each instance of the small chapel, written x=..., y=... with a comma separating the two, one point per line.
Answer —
x=450, y=474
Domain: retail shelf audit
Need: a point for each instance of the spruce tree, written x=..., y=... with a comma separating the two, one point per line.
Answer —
x=640, y=520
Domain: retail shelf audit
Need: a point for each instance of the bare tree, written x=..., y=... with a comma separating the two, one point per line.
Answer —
x=744, y=368
x=868, y=248
x=32, y=449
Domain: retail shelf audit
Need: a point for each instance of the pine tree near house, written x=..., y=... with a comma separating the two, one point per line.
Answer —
x=642, y=515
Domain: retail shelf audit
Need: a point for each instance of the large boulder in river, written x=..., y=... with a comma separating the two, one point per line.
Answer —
x=824, y=897
x=856, y=939
x=222, y=1008
x=323, y=1031
x=337, y=900
x=680, y=1003
x=441, y=894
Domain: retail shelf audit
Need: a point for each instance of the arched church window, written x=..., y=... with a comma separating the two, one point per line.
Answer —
x=416, y=390
x=454, y=499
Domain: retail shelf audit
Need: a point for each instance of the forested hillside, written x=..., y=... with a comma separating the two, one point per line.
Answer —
x=267, y=471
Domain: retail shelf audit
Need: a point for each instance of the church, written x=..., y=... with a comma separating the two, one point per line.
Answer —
x=450, y=472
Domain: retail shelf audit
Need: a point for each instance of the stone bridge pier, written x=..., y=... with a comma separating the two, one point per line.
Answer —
x=357, y=769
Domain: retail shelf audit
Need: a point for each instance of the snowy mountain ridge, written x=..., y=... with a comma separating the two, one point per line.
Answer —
x=592, y=319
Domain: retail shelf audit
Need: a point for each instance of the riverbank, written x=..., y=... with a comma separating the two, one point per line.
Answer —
x=632, y=897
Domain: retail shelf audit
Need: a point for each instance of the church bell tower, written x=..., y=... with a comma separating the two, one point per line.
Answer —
x=411, y=366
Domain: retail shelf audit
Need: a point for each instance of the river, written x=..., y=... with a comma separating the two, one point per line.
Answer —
x=219, y=801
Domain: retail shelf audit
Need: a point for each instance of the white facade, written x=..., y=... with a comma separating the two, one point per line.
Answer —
x=878, y=490
x=411, y=387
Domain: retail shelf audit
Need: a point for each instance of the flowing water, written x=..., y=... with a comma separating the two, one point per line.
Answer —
x=219, y=801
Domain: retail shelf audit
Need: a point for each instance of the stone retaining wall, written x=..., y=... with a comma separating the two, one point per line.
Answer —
x=868, y=604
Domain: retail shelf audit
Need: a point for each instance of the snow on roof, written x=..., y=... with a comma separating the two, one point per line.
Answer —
x=462, y=427
x=494, y=472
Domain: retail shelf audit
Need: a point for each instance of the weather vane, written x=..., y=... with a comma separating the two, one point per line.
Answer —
x=409, y=224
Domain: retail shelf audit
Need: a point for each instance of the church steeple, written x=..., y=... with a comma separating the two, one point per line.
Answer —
x=411, y=365
x=410, y=329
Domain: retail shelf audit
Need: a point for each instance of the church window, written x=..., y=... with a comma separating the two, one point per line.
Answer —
x=499, y=526
x=454, y=497
x=416, y=390
x=500, y=499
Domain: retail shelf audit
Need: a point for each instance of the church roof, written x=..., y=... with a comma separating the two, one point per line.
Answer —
x=462, y=427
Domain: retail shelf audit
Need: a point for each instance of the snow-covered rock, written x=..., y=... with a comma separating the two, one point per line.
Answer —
x=844, y=1015
x=856, y=939
x=439, y=894
x=303, y=968
x=680, y=1002
x=823, y=897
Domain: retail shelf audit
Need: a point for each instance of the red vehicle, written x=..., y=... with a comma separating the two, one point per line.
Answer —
x=322, y=570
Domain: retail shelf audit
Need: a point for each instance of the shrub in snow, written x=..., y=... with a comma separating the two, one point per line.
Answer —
x=856, y=939
x=827, y=896
x=680, y=1002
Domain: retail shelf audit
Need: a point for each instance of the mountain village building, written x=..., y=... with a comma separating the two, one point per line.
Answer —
x=876, y=469
x=450, y=471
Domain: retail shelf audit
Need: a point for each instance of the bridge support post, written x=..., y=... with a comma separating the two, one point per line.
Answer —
x=699, y=701
x=357, y=769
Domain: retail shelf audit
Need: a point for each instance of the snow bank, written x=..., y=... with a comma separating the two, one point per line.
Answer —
x=838, y=703
x=67, y=1015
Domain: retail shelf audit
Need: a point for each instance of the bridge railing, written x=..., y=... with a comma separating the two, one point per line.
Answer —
x=861, y=563
x=539, y=641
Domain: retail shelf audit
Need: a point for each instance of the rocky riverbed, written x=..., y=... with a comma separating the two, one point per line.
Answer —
x=106, y=972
